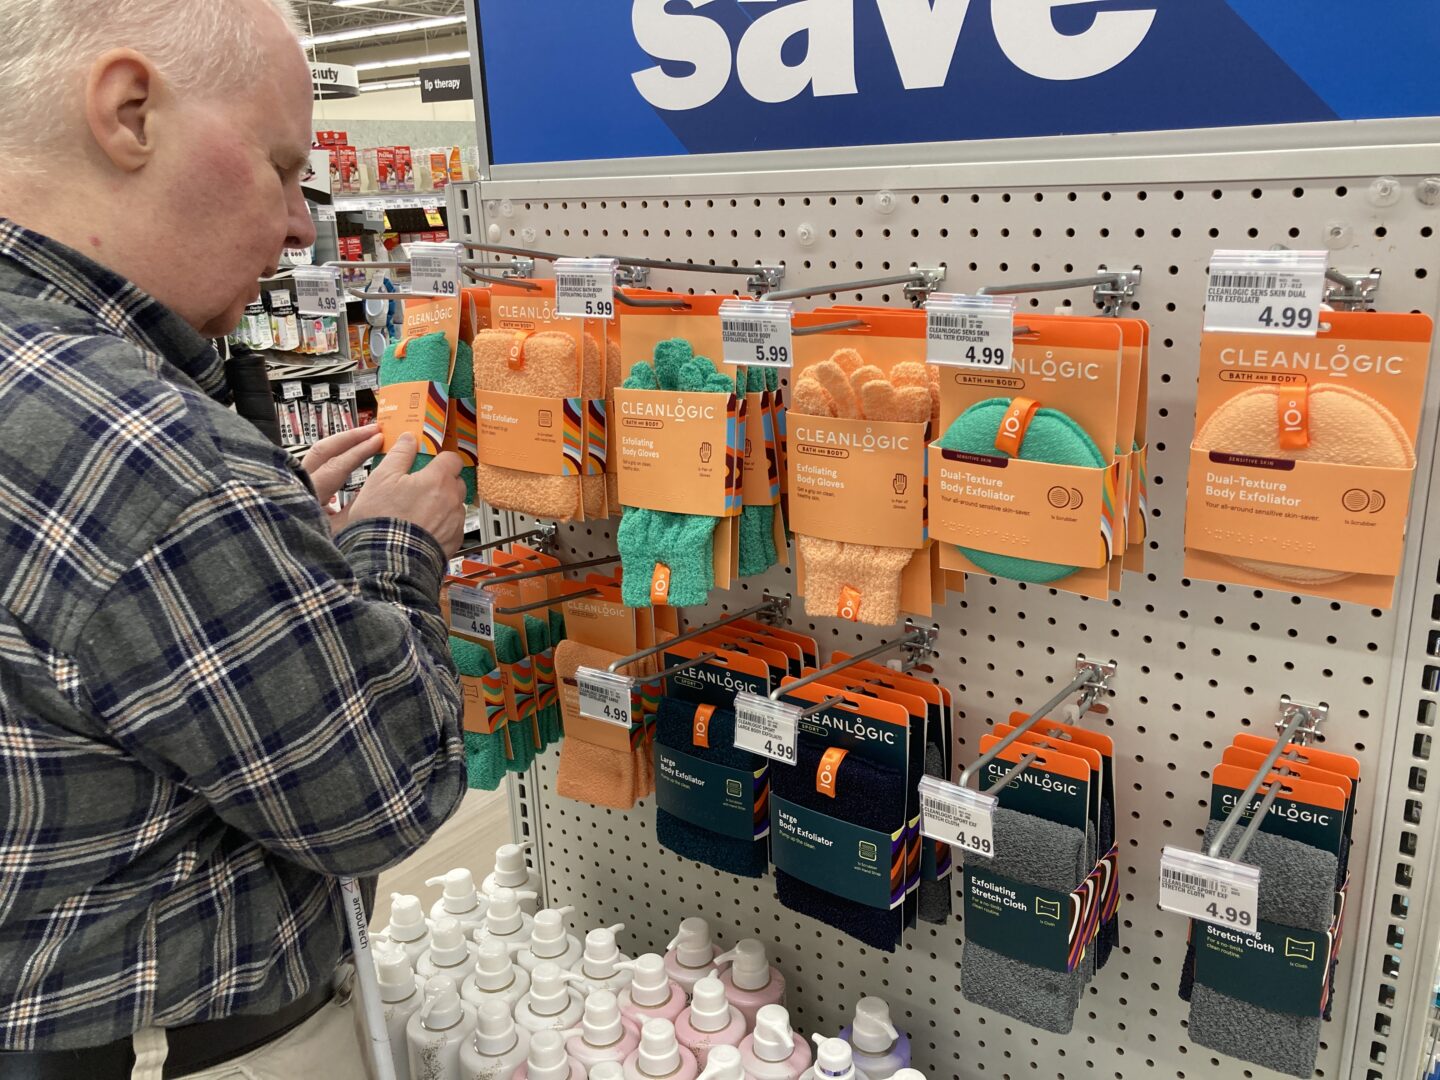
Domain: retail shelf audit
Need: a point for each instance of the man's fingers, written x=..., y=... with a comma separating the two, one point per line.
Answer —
x=400, y=458
x=447, y=464
x=338, y=469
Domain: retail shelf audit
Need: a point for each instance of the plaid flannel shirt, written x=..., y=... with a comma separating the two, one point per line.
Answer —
x=207, y=706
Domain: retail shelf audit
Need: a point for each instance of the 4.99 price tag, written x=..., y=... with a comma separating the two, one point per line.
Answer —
x=768, y=728
x=957, y=816
x=606, y=697
x=1266, y=292
x=435, y=269
x=1212, y=890
x=472, y=613
x=970, y=331
x=317, y=290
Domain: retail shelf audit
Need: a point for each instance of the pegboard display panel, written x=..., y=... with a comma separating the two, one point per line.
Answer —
x=1198, y=661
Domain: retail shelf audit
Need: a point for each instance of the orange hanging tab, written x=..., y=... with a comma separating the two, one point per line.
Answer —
x=516, y=360
x=1014, y=425
x=849, y=604
x=660, y=585
x=1292, y=406
x=829, y=770
x=700, y=732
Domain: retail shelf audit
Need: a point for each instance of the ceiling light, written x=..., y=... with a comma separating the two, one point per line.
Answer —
x=392, y=84
x=377, y=65
x=383, y=30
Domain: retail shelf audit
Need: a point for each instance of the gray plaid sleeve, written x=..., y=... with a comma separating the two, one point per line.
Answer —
x=305, y=691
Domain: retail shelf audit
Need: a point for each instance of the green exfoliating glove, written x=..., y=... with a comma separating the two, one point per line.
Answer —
x=683, y=542
x=462, y=385
x=426, y=359
x=757, y=523
x=1052, y=437
x=510, y=650
x=484, y=754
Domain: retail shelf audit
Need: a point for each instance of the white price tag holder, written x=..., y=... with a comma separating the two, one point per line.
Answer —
x=291, y=389
x=606, y=697
x=435, y=268
x=317, y=290
x=1212, y=890
x=472, y=612
x=585, y=288
x=768, y=728
x=365, y=380
x=1266, y=292
x=958, y=816
x=320, y=391
x=970, y=331
x=757, y=334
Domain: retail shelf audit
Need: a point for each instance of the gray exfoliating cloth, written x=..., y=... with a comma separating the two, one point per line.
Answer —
x=1288, y=1044
x=1031, y=851
x=935, y=895
x=1297, y=888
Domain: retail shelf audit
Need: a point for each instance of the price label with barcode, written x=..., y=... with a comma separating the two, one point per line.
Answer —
x=958, y=816
x=970, y=332
x=757, y=334
x=472, y=613
x=768, y=728
x=1266, y=292
x=365, y=380
x=320, y=392
x=1212, y=890
x=435, y=269
x=606, y=697
x=291, y=389
x=317, y=291
x=585, y=288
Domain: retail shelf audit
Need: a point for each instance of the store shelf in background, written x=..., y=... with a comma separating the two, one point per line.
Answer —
x=428, y=200
x=299, y=368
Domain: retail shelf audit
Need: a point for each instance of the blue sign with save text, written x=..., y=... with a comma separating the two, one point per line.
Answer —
x=570, y=80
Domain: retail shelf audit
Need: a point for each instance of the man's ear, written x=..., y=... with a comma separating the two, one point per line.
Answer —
x=120, y=98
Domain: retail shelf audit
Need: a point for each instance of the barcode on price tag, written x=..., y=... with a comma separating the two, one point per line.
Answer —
x=970, y=331
x=472, y=613
x=1212, y=890
x=292, y=389
x=757, y=334
x=317, y=291
x=957, y=816
x=1266, y=292
x=585, y=288
x=320, y=391
x=606, y=697
x=435, y=269
x=768, y=728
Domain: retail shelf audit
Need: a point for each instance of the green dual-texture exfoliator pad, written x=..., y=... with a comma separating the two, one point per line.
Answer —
x=484, y=754
x=1052, y=438
x=683, y=542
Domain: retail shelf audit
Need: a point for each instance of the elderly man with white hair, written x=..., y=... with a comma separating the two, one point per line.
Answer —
x=214, y=699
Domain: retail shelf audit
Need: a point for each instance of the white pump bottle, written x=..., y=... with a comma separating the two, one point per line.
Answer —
x=660, y=1056
x=511, y=873
x=880, y=1049
x=549, y=941
x=724, y=1064
x=504, y=921
x=751, y=982
x=407, y=927
x=550, y=1005
x=495, y=977
x=460, y=900
x=833, y=1061
x=497, y=1048
x=603, y=1035
x=548, y=1060
x=451, y=953
x=434, y=1033
x=401, y=992
x=597, y=964
x=771, y=1051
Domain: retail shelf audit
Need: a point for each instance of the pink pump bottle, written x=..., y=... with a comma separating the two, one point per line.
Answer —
x=751, y=982
x=710, y=1021
x=603, y=1034
x=691, y=955
x=773, y=1051
x=650, y=994
x=660, y=1057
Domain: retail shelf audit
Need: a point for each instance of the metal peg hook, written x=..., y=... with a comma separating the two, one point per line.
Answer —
x=1299, y=723
x=544, y=537
x=1113, y=288
x=1091, y=676
x=917, y=640
x=772, y=607
x=919, y=283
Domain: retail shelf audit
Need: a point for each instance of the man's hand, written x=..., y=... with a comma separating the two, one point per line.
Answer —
x=331, y=461
x=433, y=498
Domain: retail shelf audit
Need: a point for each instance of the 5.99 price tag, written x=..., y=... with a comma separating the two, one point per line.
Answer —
x=768, y=728
x=757, y=334
x=606, y=697
x=585, y=288
x=957, y=816
x=1212, y=890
